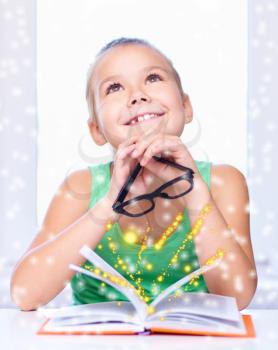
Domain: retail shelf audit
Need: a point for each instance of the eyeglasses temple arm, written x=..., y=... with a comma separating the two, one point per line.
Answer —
x=176, y=165
x=122, y=194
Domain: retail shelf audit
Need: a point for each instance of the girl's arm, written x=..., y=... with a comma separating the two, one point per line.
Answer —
x=225, y=227
x=43, y=270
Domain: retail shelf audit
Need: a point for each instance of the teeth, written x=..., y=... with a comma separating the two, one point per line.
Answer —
x=143, y=117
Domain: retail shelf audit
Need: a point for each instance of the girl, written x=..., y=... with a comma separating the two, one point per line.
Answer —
x=137, y=105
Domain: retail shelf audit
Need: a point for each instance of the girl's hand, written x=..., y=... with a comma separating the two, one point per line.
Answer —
x=171, y=147
x=123, y=166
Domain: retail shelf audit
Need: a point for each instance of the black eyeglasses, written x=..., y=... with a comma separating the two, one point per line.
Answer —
x=186, y=182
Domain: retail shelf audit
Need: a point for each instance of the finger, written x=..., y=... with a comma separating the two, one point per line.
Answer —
x=142, y=145
x=129, y=141
x=122, y=153
x=167, y=147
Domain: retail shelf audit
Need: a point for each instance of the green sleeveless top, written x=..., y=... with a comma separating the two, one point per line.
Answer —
x=87, y=289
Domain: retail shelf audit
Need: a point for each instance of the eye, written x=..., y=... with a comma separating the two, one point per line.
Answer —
x=153, y=77
x=113, y=87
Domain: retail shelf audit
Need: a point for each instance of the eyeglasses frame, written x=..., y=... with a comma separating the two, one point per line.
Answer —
x=118, y=205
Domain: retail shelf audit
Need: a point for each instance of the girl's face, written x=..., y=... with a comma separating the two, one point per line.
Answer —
x=132, y=80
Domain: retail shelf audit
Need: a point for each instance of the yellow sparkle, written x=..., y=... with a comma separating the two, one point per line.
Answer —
x=103, y=284
x=97, y=271
x=120, y=261
x=151, y=310
x=99, y=246
x=196, y=283
x=146, y=299
x=112, y=245
x=187, y=268
x=160, y=278
x=220, y=252
x=157, y=246
x=179, y=217
x=130, y=237
x=149, y=266
x=108, y=226
x=178, y=293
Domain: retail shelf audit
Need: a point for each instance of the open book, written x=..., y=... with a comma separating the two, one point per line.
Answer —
x=179, y=313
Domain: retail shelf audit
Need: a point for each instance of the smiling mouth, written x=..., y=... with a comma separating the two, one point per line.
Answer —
x=144, y=118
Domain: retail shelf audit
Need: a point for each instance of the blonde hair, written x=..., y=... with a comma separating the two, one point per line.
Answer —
x=115, y=43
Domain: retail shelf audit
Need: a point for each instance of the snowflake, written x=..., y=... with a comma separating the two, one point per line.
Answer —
x=50, y=260
x=33, y=260
x=16, y=91
x=166, y=217
x=111, y=296
x=238, y=284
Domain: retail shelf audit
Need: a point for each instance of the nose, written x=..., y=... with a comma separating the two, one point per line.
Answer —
x=138, y=98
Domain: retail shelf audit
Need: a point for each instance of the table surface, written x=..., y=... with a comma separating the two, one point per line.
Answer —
x=18, y=331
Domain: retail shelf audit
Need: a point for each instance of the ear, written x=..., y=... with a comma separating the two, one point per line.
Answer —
x=95, y=132
x=187, y=108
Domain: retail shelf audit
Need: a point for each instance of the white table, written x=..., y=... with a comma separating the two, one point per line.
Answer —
x=18, y=331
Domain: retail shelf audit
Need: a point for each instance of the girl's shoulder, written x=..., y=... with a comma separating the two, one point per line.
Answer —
x=226, y=178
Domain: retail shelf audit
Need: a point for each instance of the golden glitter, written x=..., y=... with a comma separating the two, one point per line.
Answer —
x=169, y=231
x=130, y=237
x=157, y=246
x=108, y=226
x=99, y=246
x=192, y=234
x=160, y=278
x=219, y=254
x=178, y=293
x=112, y=245
x=150, y=310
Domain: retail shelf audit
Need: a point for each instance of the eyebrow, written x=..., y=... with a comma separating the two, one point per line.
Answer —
x=145, y=69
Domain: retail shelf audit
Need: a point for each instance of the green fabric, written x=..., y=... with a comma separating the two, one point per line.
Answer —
x=86, y=289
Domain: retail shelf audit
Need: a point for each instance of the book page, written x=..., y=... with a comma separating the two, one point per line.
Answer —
x=92, y=328
x=199, y=304
x=128, y=289
x=183, y=281
x=106, y=308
